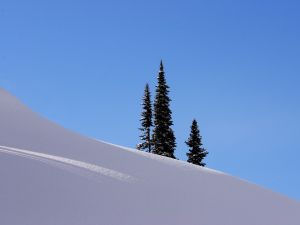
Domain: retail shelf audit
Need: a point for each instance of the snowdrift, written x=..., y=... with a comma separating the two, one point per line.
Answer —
x=52, y=176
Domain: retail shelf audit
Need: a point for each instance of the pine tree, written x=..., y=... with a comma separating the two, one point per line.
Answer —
x=196, y=153
x=146, y=122
x=163, y=135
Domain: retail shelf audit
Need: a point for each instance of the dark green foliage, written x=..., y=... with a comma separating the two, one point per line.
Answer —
x=196, y=153
x=146, y=122
x=163, y=135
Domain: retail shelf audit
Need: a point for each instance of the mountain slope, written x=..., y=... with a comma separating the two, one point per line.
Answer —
x=52, y=176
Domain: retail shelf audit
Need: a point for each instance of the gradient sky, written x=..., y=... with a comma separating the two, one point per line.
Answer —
x=232, y=65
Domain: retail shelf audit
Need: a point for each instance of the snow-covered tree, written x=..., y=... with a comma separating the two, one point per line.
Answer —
x=146, y=122
x=196, y=153
x=163, y=136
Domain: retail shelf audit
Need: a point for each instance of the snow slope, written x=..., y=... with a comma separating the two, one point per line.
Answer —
x=52, y=176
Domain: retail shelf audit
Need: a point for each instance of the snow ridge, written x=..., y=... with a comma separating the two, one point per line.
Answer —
x=67, y=162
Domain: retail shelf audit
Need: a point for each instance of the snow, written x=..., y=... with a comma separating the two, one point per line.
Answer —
x=52, y=176
x=67, y=162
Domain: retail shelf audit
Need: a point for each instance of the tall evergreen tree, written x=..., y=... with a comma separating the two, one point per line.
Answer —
x=163, y=136
x=146, y=122
x=196, y=153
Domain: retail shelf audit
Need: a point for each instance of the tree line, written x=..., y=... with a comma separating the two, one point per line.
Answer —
x=157, y=135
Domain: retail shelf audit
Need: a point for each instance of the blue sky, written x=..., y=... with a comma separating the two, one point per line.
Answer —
x=232, y=65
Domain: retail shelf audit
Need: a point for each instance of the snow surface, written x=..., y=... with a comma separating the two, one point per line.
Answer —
x=52, y=176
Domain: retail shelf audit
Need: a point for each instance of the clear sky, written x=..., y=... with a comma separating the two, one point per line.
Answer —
x=233, y=65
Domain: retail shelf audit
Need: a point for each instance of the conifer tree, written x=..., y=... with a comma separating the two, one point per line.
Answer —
x=163, y=136
x=196, y=153
x=146, y=122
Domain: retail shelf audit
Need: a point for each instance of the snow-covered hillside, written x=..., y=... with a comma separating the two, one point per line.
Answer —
x=51, y=176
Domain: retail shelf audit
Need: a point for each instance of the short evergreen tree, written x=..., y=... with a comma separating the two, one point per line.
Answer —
x=146, y=122
x=163, y=136
x=196, y=153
